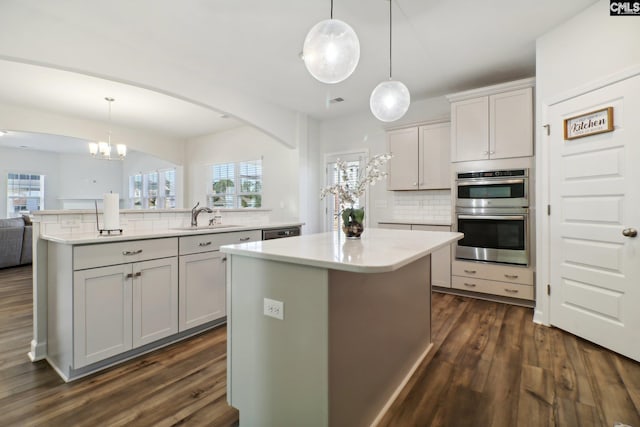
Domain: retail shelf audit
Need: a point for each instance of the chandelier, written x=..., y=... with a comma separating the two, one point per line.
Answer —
x=102, y=150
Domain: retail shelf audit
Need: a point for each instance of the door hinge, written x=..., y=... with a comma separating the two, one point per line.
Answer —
x=548, y=289
x=548, y=128
x=549, y=210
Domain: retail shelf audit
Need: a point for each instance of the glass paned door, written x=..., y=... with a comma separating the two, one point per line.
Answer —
x=355, y=162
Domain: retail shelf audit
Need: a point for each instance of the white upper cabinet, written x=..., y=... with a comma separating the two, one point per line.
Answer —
x=488, y=125
x=420, y=157
x=434, y=150
x=470, y=129
x=511, y=124
x=403, y=166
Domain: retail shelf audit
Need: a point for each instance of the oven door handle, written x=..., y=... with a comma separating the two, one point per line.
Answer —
x=496, y=217
x=465, y=183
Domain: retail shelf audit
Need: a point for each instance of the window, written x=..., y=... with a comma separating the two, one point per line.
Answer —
x=236, y=185
x=354, y=161
x=155, y=189
x=25, y=193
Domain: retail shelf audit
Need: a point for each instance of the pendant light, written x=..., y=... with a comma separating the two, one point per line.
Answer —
x=102, y=150
x=390, y=99
x=331, y=50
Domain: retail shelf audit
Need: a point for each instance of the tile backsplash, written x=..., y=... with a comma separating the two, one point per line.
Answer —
x=85, y=222
x=421, y=205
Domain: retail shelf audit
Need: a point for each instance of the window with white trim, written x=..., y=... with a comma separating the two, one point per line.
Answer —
x=151, y=190
x=235, y=185
x=25, y=193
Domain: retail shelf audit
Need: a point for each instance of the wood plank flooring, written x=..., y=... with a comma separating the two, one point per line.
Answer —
x=490, y=366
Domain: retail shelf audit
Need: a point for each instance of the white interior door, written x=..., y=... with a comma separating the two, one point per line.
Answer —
x=595, y=201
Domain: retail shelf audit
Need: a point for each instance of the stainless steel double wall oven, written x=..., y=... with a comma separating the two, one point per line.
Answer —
x=492, y=210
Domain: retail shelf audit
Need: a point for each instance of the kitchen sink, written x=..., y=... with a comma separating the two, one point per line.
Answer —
x=207, y=227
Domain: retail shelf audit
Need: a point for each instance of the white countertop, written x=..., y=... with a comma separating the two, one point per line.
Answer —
x=95, y=237
x=379, y=250
x=416, y=221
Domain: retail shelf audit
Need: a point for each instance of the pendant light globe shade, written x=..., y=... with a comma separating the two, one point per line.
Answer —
x=390, y=100
x=331, y=51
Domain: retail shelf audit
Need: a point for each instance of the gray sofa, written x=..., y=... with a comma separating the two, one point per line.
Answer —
x=15, y=242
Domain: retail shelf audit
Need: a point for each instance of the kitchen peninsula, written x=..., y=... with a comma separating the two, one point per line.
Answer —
x=326, y=331
x=103, y=299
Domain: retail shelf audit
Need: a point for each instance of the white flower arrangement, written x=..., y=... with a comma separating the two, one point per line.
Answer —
x=371, y=174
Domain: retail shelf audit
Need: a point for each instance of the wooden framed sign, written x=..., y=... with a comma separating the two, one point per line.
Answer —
x=591, y=123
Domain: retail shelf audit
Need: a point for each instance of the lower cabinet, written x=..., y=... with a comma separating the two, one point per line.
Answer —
x=440, y=259
x=202, y=289
x=122, y=307
x=494, y=279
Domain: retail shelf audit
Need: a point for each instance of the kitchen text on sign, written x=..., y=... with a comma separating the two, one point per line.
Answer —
x=591, y=123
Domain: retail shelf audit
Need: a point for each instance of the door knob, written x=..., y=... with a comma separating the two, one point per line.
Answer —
x=629, y=232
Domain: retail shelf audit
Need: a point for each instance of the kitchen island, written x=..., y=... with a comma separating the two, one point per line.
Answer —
x=326, y=331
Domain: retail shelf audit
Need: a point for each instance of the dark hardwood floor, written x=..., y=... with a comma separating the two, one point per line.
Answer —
x=490, y=366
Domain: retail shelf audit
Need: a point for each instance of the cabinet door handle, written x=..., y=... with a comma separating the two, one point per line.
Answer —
x=485, y=152
x=138, y=274
x=492, y=152
x=511, y=276
x=136, y=252
x=204, y=244
x=470, y=271
x=224, y=259
x=129, y=276
x=511, y=291
x=244, y=239
x=471, y=285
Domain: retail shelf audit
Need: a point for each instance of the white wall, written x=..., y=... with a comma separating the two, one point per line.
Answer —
x=588, y=48
x=363, y=132
x=18, y=118
x=280, y=168
x=83, y=179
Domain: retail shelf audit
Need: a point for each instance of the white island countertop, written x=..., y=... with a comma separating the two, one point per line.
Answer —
x=379, y=250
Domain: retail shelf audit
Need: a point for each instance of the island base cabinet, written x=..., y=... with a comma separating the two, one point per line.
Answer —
x=202, y=289
x=121, y=307
x=346, y=342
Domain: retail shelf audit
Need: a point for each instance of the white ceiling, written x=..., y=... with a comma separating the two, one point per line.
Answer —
x=253, y=46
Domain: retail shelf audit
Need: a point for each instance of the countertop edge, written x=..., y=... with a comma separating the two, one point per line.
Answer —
x=238, y=249
x=89, y=238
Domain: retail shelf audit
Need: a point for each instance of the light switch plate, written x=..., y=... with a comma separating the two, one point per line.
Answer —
x=273, y=308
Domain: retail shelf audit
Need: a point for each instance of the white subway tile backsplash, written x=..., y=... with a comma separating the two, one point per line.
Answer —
x=421, y=205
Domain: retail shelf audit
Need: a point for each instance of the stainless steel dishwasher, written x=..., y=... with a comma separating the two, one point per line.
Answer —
x=279, y=233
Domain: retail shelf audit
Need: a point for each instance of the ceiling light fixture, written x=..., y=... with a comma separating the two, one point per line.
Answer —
x=102, y=150
x=390, y=99
x=331, y=50
x=3, y=132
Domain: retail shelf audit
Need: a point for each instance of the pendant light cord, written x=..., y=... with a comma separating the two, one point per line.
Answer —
x=390, y=44
x=109, y=100
x=331, y=9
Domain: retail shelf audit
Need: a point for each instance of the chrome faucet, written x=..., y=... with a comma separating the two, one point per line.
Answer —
x=195, y=212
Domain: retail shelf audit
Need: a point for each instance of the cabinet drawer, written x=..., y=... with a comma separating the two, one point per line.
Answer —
x=499, y=272
x=492, y=287
x=102, y=254
x=212, y=242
